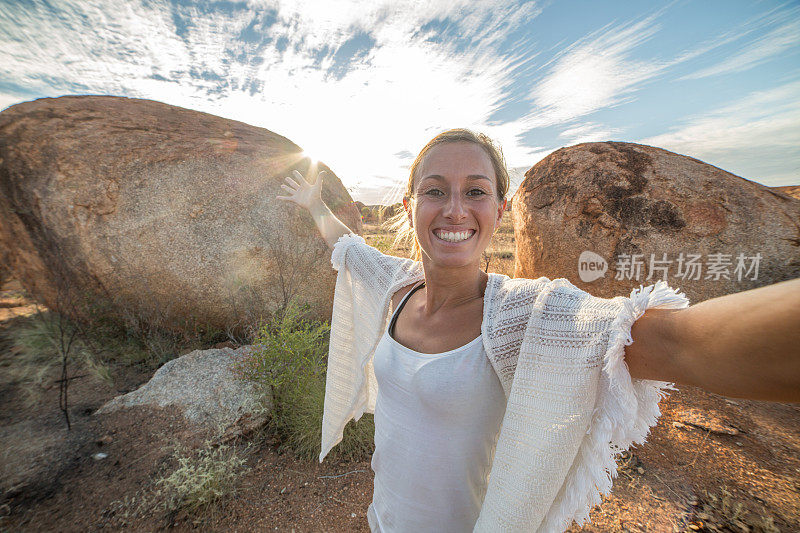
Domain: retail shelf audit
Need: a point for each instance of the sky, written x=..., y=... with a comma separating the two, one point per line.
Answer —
x=362, y=85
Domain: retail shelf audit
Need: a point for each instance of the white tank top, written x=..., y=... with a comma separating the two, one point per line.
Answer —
x=437, y=419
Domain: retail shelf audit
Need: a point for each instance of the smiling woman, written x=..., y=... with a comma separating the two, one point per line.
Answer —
x=501, y=404
x=465, y=151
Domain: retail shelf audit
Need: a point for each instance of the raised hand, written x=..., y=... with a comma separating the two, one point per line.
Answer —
x=302, y=192
x=307, y=195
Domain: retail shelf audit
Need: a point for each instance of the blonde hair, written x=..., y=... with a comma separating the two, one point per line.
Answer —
x=399, y=224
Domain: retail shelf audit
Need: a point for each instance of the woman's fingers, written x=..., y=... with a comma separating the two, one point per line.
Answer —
x=299, y=176
x=301, y=192
x=302, y=180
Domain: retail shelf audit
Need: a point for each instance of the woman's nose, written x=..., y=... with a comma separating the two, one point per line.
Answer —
x=455, y=208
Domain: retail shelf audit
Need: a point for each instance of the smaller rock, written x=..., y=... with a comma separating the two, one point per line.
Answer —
x=678, y=425
x=99, y=456
x=203, y=385
x=352, y=515
x=739, y=443
x=640, y=469
x=732, y=402
x=105, y=439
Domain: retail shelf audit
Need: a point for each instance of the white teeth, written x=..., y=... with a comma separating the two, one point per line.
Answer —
x=456, y=236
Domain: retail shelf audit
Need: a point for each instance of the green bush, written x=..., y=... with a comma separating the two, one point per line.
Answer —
x=289, y=360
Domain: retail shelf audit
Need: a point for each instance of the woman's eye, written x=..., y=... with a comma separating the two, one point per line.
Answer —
x=434, y=192
x=476, y=192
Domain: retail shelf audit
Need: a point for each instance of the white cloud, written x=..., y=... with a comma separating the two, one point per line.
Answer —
x=595, y=72
x=757, y=137
x=588, y=132
x=779, y=38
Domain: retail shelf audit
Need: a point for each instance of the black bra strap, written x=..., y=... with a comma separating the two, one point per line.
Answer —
x=400, y=307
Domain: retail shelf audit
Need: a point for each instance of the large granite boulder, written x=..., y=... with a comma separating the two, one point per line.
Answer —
x=204, y=387
x=609, y=215
x=163, y=213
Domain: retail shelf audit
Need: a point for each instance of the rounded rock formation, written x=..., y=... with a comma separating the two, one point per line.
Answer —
x=612, y=216
x=159, y=213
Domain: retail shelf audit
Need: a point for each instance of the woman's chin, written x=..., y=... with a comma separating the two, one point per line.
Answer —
x=454, y=258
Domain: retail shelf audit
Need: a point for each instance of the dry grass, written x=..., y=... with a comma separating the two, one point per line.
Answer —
x=203, y=477
x=192, y=483
x=722, y=512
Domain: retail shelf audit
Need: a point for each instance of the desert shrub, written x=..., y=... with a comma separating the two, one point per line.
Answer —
x=288, y=360
x=98, y=344
x=302, y=427
x=202, y=478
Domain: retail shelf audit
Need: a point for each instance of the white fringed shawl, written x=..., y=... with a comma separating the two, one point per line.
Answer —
x=559, y=353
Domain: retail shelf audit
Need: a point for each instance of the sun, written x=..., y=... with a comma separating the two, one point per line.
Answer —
x=313, y=160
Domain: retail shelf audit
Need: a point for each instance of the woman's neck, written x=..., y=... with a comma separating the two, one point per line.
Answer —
x=452, y=287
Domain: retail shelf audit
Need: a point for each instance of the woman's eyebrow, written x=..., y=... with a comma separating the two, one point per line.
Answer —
x=470, y=177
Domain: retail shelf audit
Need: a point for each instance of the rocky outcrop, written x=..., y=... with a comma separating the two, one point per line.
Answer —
x=206, y=390
x=159, y=212
x=609, y=215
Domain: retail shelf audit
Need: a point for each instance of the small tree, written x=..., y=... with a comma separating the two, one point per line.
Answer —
x=66, y=317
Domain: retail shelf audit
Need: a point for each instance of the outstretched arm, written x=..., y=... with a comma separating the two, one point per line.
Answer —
x=743, y=345
x=307, y=195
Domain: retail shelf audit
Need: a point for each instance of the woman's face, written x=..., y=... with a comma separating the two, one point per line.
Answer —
x=456, y=210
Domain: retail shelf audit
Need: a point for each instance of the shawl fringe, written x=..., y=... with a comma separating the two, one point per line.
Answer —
x=625, y=412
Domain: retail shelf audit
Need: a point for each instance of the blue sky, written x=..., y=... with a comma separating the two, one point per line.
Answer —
x=363, y=85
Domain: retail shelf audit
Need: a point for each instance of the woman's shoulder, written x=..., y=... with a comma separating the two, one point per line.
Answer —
x=397, y=297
